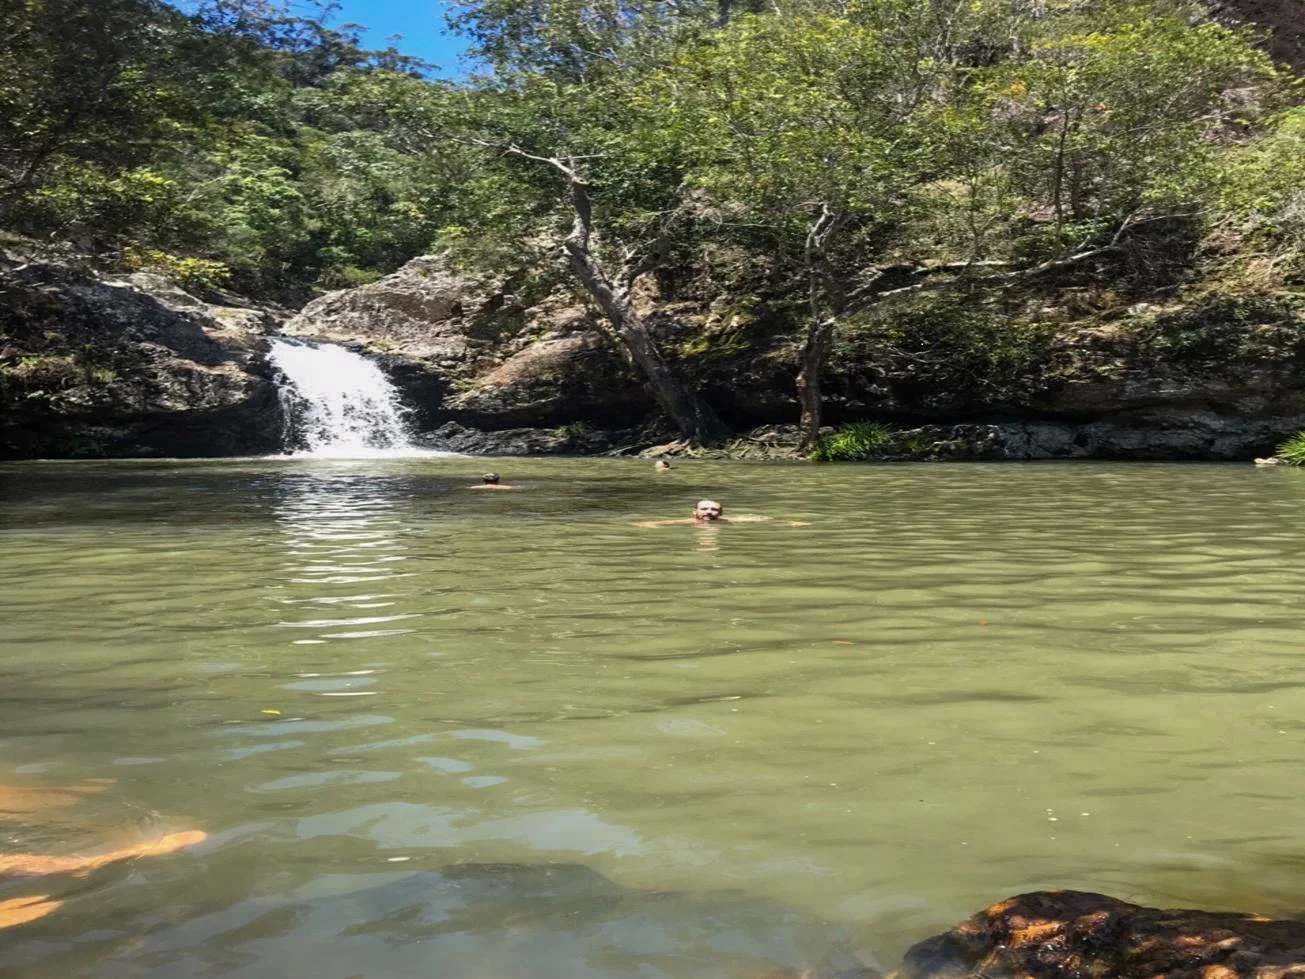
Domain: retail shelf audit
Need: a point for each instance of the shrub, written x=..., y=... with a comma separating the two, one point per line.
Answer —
x=1292, y=451
x=194, y=273
x=950, y=352
x=573, y=431
x=851, y=443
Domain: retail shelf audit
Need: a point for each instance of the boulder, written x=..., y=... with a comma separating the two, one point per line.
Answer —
x=425, y=311
x=1079, y=935
x=553, y=381
x=91, y=366
x=462, y=349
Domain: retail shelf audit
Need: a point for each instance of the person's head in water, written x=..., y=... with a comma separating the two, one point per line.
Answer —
x=707, y=510
x=662, y=465
x=490, y=479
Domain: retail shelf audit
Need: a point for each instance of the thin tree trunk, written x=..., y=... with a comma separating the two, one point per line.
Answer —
x=692, y=416
x=12, y=195
x=822, y=287
x=811, y=371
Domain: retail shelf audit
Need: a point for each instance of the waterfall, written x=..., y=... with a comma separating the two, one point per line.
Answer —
x=337, y=403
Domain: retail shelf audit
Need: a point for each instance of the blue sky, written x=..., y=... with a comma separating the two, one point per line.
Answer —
x=421, y=22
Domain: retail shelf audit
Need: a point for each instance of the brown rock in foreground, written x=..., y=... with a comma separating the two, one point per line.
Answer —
x=1077, y=935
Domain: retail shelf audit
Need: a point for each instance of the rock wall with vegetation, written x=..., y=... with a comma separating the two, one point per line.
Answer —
x=93, y=367
x=1220, y=377
x=1002, y=230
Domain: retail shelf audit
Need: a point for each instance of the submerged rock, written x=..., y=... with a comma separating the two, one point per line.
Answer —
x=1079, y=935
x=473, y=921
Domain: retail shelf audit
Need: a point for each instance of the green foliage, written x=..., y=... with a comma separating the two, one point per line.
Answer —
x=819, y=144
x=573, y=431
x=241, y=137
x=197, y=273
x=40, y=377
x=1292, y=451
x=953, y=349
x=577, y=40
x=1108, y=117
x=1225, y=329
x=853, y=443
x=787, y=117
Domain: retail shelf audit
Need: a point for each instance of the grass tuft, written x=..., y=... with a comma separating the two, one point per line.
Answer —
x=852, y=443
x=1292, y=451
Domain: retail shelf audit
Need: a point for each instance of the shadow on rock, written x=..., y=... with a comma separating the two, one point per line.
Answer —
x=1070, y=934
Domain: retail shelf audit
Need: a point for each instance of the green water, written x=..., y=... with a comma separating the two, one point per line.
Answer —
x=519, y=737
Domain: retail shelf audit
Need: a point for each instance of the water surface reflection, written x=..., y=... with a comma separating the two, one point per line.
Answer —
x=956, y=684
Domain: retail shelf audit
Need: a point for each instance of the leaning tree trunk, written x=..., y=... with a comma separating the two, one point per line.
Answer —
x=692, y=416
x=811, y=370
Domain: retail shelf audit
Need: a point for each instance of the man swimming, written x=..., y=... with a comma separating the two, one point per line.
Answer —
x=708, y=512
x=489, y=481
x=661, y=466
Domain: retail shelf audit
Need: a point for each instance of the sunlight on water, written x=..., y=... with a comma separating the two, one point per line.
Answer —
x=509, y=735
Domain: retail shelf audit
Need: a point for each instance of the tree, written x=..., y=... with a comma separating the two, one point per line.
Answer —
x=582, y=40
x=83, y=78
x=894, y=148
x=802, y=132
x=607, y=191
x=1117, y=116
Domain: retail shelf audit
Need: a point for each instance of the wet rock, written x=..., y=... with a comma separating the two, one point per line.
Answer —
x=425, y=311
x=564, y=440
x=553, y=381
x=463, y=349
x=128, y=367
x=1078, y=935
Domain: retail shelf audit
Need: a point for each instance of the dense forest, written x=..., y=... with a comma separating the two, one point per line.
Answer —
x=830, y=158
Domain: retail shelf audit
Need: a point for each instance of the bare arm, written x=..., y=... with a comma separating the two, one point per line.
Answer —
x=32, y=865
x=758, y=518
x=683, y=521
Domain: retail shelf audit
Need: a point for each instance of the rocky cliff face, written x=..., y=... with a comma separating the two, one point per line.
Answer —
x=465, y=351
x=1282, y=22
x=1216, y=381
x=127, y=367
x=135, y=366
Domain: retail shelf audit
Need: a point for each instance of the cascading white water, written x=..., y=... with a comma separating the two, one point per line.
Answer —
x=338, y=403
